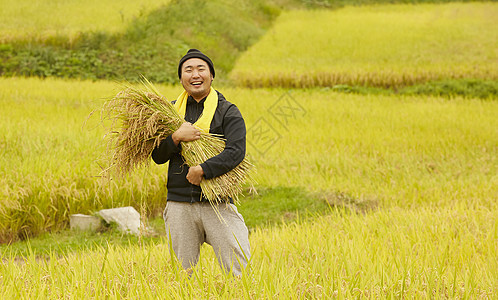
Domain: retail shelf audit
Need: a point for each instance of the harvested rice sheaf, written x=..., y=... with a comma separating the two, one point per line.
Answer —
x=141, y=118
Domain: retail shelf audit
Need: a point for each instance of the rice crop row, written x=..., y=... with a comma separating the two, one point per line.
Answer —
x=44, y=19
x=396, y=150
x=395, y=253
x=382, y=45
x=389, y=150
x=51, y=158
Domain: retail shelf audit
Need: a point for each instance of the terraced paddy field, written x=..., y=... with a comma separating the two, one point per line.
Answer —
x=390, y=150
x=45, y=19
x=382, y=45
x=378, y=196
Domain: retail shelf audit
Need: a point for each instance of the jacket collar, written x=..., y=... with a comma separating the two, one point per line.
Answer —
x=191, y=100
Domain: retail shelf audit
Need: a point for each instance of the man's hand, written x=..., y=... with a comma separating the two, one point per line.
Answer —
x=186, y=133
x=194, y=175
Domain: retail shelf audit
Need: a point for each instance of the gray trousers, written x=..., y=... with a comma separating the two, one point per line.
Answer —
x=189, y=225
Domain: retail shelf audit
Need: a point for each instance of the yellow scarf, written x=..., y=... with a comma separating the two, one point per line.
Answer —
x=204, y=121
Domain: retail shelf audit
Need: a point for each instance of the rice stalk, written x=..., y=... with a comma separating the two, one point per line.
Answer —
x=141, y=119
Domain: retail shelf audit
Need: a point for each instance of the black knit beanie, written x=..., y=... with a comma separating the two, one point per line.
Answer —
x=194, y=53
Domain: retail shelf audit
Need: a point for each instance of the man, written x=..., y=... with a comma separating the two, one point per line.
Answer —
x=190, y=219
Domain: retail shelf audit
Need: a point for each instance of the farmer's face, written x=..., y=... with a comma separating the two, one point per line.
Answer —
x=196, y=78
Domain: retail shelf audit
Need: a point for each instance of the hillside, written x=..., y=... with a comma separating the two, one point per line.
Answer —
x=108, y=40
x=150, y=44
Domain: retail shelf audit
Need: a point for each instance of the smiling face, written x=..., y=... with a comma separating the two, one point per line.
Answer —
x=196, y=78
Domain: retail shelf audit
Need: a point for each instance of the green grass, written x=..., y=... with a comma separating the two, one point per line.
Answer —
x=276, y=205
x=382, y=46
x=468, y=88
x=72, y=241
x=485, y=89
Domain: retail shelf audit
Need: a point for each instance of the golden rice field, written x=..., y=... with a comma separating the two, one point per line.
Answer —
x=381, y=45
x=428, y=164
x=51, y=159
x=425, y=166
x=391, y=150
x=43, y=19
x=424, y=253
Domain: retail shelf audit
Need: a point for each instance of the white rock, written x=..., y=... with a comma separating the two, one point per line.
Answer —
x=127, y=218
x=84, y=222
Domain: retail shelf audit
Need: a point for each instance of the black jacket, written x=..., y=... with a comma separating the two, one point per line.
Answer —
x=227, y=122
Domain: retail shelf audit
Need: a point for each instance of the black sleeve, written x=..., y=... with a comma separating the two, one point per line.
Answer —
x=234, y=130
x=166, y=148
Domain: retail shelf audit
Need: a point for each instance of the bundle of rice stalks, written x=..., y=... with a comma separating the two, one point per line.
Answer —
x=141, y=118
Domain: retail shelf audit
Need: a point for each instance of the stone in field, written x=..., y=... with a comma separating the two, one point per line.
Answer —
x=127, y=218
x=84, y=222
